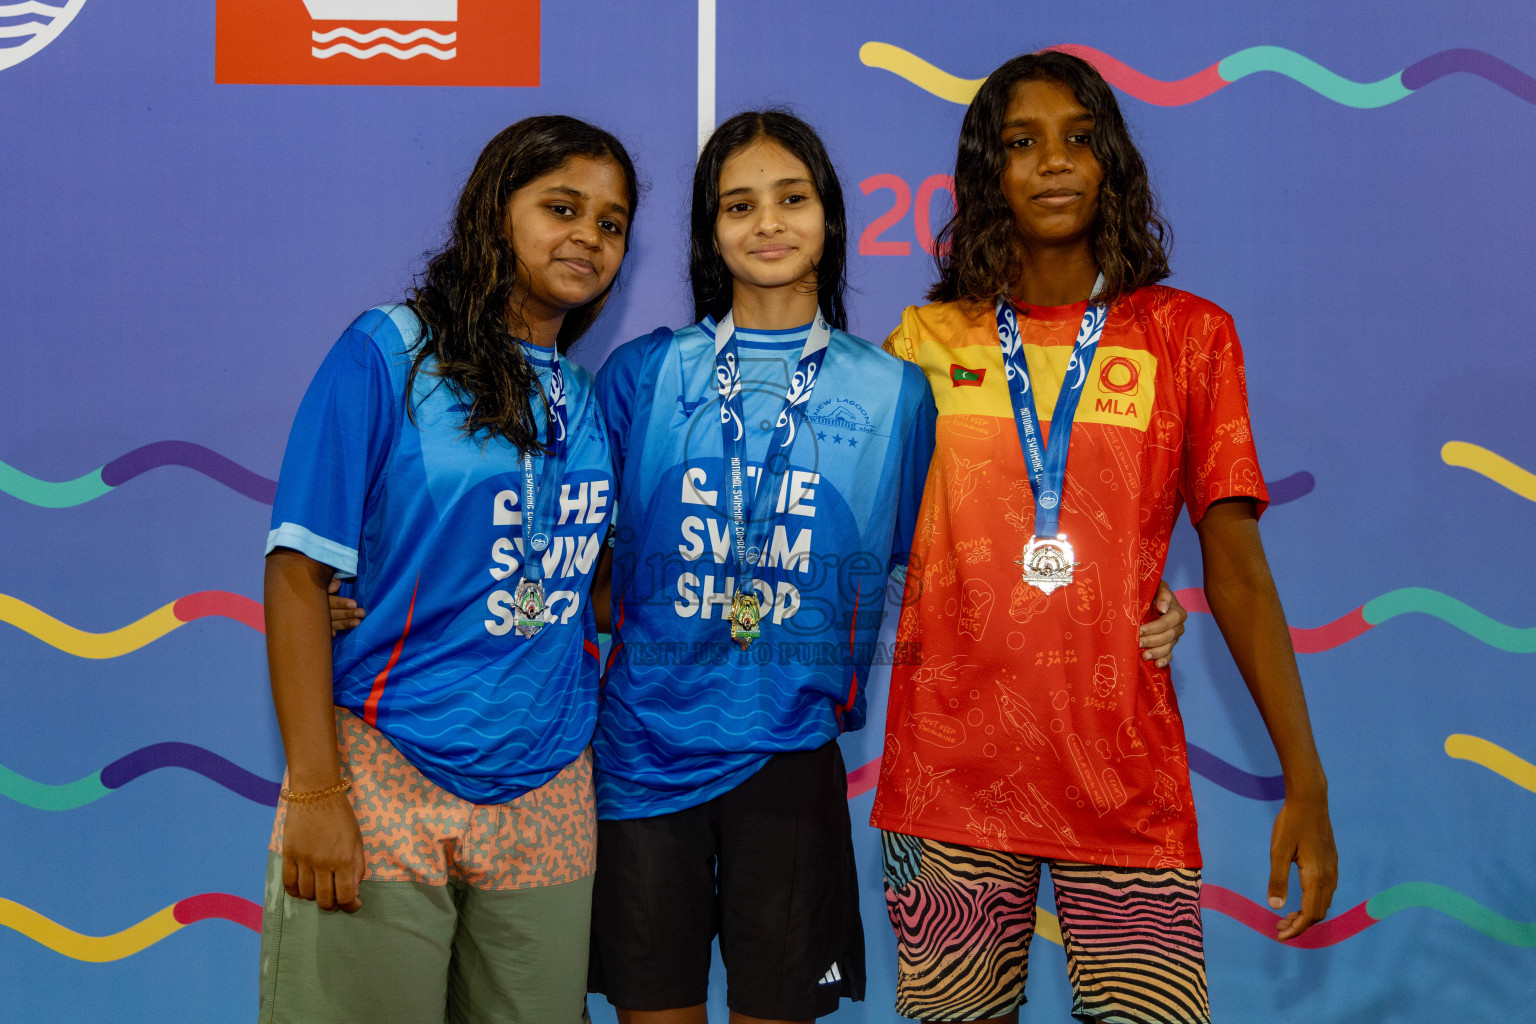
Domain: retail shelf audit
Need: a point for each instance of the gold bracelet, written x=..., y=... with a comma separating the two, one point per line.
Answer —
x=316, y=794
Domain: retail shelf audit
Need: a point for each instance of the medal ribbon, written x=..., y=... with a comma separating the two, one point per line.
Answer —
x=750, y=527
x=539, y=515
x=1048, y=463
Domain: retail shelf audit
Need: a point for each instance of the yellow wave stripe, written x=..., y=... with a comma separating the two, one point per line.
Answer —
x=919, y=72
x=1493, y=757
x=1491, y=465
x=96, y=949
x=1047, y=926
x=88, y=645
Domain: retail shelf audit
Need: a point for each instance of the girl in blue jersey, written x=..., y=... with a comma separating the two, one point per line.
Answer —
x=771, y=468
x=452, y=466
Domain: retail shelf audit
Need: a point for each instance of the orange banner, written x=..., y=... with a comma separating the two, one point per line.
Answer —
x=378, y=42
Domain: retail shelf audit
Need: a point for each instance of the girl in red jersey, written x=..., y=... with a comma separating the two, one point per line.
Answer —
x=1031, y=732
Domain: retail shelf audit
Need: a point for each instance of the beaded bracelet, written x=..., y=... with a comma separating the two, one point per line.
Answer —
x=316, y=794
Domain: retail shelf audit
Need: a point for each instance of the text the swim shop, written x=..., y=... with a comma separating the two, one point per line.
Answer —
x=788, y=547
x=567, y=557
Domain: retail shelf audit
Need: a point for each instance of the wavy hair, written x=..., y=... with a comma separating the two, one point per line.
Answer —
x=707, y=272
x=979, y=256
x=464, y=296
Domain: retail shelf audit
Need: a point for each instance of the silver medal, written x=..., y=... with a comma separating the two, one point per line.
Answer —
x=1048, y=563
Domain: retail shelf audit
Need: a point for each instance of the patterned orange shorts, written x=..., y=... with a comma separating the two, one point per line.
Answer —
x=415, y=831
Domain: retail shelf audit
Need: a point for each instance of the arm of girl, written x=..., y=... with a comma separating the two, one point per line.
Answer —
x=602, y=591
x=322, y=845
x=1246, y=606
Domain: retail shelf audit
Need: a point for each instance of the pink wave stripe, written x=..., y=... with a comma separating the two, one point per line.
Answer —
x=862, y=779
x=1145, y=88
x=221, y=602
x=1306, y=641
x=1328, y=932
x=220, y=905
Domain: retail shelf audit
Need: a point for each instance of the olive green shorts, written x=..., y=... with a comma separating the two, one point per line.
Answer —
x=425, y=954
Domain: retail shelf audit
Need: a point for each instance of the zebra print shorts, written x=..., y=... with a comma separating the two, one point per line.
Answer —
x=964, y=918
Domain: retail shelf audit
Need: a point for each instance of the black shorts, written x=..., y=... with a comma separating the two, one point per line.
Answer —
x=767, y=866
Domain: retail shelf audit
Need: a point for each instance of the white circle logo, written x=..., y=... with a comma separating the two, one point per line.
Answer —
x=40, y=25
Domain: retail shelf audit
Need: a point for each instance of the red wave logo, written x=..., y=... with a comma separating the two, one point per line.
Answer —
x=377, y=42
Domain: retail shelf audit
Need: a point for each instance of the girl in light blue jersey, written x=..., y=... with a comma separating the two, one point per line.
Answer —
x=771, y=468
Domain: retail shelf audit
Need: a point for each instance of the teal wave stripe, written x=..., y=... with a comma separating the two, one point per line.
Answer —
x=1464, y=617
x=1362, y=95
x=50, y=494
x=1450, y=902
x=45, y=797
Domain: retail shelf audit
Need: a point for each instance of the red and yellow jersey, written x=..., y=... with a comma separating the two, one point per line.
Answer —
x=1030, y=723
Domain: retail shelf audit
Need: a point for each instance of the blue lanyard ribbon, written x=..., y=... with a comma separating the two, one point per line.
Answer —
x=539, y=508
x=749, y=528
x=1047, y=463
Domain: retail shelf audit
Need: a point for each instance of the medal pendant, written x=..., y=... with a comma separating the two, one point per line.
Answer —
x=746, y=613
x=1048, y=563
x=529, y=602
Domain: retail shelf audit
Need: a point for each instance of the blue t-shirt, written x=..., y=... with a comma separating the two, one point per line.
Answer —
x=427, y=524
x=685, y=714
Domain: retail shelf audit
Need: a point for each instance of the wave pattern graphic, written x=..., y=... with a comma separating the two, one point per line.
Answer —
x=1421, y=600
x=1253, y=60
x=1491, y=465
x=69, y=795
x=1492, y=757
x=206, y=906
x=384, y=33
x=1234, y=779
x=135, y=938
x=69, y=493
x=129, y=638
x=1290, y=488
x=1408, y=896
x=1201, y=761
x=382, y=50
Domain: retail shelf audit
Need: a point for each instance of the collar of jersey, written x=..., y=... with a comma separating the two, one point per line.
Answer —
x=537, y=354
x=793, y=338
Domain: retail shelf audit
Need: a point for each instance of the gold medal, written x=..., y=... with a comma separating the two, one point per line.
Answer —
x=746, y=613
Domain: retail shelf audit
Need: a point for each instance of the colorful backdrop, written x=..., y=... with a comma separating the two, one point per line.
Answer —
x=196, y=198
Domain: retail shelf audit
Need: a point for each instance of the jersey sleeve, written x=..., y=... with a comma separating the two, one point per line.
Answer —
x=336, y=451
x=916, y=455
x=1220, y=460
x=618, y=392
x=900, y=342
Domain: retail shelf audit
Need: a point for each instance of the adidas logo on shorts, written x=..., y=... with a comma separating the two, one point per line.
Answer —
x=832, y=977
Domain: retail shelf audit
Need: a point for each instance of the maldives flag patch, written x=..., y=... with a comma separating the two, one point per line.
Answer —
x=965, y=377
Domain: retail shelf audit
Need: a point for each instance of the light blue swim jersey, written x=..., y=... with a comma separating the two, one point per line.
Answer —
x=686, y=714
x=427, y=524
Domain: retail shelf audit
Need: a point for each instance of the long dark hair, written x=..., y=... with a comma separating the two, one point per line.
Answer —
x=1130, y=238
x=463, y=296
x=707, y=272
